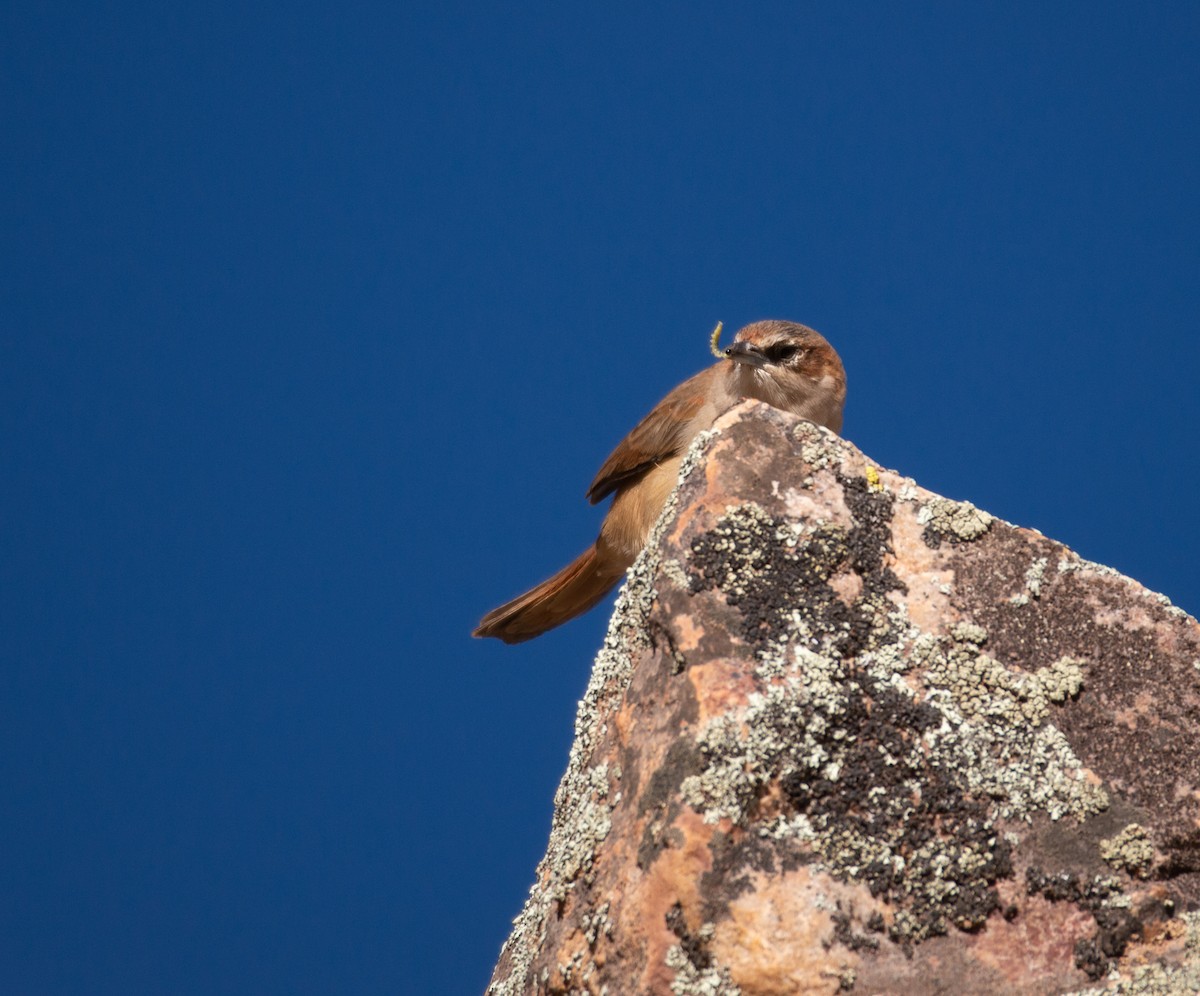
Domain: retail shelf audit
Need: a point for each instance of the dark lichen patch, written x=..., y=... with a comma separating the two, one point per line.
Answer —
x=751, y=558
x=1116, y=924
x=658, y=836
x=1090, y=893
x=683, y=759
x=900, y=821
x=862, y=792
x=873, y=733
x=662, y=640
x=845, y=935
x=694, y=945
x=1183, y=855
x=769, y=569
x=1115, y=928
x=1086, y=612
x=660, y=801
x=871, y=538
x=734, y=856
x=842, y=745
x=1089, y=959
x=696, y=970
x=1181, y=869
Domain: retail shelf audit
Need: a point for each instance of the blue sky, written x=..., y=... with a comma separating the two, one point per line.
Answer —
x=317, y=323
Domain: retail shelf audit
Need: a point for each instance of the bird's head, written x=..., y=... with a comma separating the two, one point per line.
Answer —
x=791, y=367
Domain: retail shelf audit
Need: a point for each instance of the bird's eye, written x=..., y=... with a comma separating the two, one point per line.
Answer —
x=781, y=352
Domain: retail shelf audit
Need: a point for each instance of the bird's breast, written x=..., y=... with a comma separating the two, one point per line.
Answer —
x=636, y=508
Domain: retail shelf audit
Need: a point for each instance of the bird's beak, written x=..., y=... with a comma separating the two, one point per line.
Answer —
x=747, y=353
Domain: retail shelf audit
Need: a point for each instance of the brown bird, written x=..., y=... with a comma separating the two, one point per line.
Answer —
x=784, y=364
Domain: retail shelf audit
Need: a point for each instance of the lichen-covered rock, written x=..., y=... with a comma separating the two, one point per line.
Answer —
x=848, y=735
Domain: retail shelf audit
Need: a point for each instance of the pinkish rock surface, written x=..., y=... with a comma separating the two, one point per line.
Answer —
x=848, y=735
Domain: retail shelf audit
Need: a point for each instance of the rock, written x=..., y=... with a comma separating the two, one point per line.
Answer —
x=848, y=735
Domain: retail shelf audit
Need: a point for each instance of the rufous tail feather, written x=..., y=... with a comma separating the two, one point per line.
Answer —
x=570, y=593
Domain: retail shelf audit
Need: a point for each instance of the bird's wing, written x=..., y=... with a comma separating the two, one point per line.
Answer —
x=657, y=437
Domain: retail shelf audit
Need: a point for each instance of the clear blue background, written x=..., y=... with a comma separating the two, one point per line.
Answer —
x=318, y=321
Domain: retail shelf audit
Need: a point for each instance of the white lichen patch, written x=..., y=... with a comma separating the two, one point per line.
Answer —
x=967, y=632
x=1071, y=562
x=960, y=519
x=982, y=687
x=887, y=663
x=577, y=969
x=743, y=750
x=1026, y=771
x=584, y=798
x=998, y=735
x=673, y=570
x=991, y=738
x=1131, y=850
x=689, y=980
x=819, y=447
x=1034, y=576
x=1168, y=606
x=597, y=922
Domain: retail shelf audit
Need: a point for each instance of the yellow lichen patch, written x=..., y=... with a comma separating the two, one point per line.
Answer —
x=873, y=481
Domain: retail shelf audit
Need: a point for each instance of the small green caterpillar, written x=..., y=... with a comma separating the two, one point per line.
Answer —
x=712, y=343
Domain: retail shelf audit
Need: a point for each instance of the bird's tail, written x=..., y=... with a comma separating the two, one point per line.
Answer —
x=570, y=593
